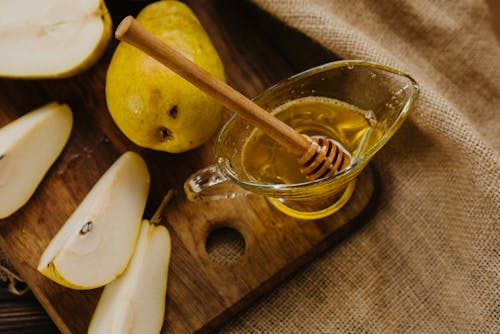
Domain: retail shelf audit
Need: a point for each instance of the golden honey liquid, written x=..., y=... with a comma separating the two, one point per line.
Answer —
x=266, y=161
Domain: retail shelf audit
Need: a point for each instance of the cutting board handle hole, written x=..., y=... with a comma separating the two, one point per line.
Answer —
x=225, y=245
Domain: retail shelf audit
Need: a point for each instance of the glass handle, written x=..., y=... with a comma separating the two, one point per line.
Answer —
x=209, y=184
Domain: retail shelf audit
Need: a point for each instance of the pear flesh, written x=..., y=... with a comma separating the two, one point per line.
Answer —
x=51, y=38
x=135, y=301
x=96, y=243
x=28, y=148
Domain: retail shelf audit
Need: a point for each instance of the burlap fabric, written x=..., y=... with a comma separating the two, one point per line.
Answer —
x=429, y=261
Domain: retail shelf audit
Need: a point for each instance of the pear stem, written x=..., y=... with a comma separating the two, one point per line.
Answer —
x=156, y=216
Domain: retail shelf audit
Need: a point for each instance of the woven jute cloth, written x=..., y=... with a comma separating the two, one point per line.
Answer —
x=429, y=261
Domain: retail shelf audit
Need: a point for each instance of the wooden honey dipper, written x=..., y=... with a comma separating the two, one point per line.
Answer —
x=317, y=156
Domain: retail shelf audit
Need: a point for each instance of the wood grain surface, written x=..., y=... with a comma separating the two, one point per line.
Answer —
x=202, y=294
x=22, y=314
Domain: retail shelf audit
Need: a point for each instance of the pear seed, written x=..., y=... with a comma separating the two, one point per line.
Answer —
x=1, y=156
x=86, y=228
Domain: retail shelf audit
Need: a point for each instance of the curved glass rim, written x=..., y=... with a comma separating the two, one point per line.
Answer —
x=262, y=187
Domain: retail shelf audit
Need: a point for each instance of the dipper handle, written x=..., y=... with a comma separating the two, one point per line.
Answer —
x=130, y=31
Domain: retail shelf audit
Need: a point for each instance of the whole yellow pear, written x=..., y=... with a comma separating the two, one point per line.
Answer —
x=153, y=106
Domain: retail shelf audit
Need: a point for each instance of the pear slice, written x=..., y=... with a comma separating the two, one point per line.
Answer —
x=96, y=243
x=51, y=38
x=28, y=147
x=135, y=301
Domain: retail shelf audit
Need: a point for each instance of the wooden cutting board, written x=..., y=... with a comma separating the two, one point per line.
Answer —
x=202, y=293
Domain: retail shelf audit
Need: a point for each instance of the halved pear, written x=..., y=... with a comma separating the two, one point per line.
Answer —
x=28, y=147
x=96, y=243
x=51, y=38
x=135, y=301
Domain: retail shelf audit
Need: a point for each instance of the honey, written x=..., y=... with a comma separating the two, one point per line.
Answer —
x=266, y=161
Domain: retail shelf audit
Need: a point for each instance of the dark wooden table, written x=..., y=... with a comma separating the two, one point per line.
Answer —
x=22, y=314
x=250, y=35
